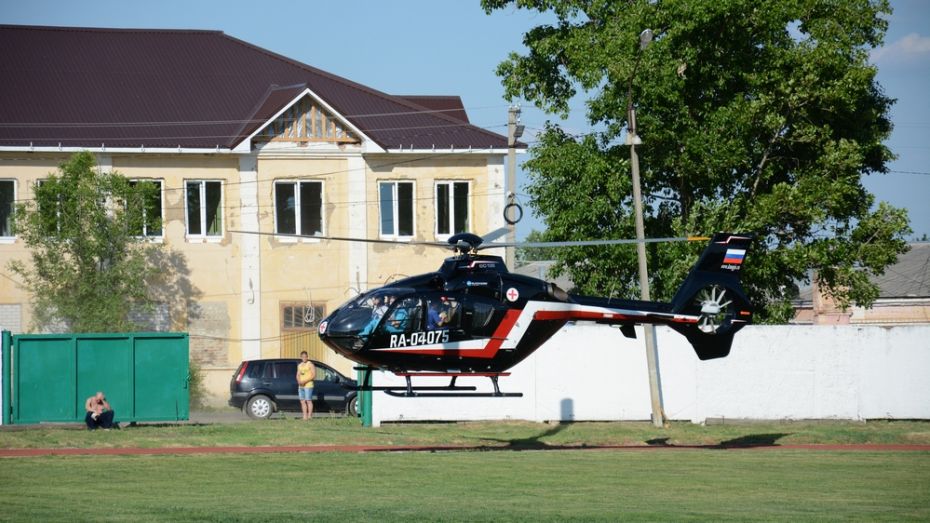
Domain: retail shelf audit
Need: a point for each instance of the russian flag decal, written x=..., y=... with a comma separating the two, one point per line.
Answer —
x=734, y=256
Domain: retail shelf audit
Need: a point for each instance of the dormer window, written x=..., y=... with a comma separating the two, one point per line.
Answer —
x=307, y=121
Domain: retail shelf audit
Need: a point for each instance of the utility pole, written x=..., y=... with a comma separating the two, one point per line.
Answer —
x=514, y=131
x=652, y=353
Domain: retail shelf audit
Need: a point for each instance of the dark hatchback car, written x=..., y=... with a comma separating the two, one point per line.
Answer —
x=262, y=387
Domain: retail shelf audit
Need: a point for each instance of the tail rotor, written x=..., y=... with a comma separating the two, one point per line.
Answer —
x=712, y=291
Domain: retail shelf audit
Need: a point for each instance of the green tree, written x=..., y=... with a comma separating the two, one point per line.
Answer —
x=755, y=115
x=89, y=265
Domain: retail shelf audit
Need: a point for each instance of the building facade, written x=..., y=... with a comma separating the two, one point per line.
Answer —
x=261, y=161
x=903, y=299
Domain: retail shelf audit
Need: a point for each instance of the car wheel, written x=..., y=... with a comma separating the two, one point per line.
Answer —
x=352, y=407
x=259, y=407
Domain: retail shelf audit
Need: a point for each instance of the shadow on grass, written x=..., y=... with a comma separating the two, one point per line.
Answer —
x=753, y=440
x=535, y=443
x=530, y=443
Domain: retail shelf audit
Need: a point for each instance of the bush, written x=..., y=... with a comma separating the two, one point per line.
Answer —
x=196, y=386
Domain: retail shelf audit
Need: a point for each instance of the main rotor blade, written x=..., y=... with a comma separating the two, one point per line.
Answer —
x=583, y=243
x=495, y=234
x=346, y=239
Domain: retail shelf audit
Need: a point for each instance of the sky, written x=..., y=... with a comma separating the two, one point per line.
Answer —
x=451, y=47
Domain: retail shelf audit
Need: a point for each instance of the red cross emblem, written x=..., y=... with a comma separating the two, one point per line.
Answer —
x=513, y=294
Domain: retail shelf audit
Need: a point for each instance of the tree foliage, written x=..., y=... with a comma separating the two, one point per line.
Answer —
x=89, y=265
x=756, y=116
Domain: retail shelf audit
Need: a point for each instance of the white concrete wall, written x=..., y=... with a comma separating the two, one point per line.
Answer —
x=589, y=372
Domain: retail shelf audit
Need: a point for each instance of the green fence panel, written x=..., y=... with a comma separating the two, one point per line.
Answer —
x=7, y=356
x=44, y=374
x=161, y=383
x=144, y=376
x=104, y=365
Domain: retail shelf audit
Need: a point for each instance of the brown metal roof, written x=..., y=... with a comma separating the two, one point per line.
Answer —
x=167, y=88
x=448, y=105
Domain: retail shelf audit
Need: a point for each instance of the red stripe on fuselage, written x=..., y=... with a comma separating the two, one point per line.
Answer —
x=606, y=317
x=489, y=350
x=582, y=315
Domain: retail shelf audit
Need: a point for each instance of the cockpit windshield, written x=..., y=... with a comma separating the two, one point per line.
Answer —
x=377, y=299
x=359, y=316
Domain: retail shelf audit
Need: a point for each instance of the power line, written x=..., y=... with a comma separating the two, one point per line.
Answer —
x=910, y=172
x=167, y=123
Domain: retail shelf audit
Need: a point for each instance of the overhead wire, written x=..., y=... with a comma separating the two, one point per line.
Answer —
x=168, y=123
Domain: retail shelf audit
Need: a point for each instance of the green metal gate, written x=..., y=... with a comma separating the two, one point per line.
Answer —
x=145, y=376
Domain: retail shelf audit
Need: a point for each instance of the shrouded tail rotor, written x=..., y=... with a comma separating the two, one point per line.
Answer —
x=712, y=291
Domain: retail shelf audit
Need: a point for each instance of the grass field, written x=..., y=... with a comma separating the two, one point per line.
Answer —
x=584, y=485
x=347, y=431
x=509, y=479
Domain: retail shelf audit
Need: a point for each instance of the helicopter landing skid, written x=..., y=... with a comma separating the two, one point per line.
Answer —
x=449, y=391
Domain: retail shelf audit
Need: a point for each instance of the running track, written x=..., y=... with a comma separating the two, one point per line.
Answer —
x=135, y=451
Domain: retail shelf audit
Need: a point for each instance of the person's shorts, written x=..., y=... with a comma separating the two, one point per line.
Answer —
x=305, y=394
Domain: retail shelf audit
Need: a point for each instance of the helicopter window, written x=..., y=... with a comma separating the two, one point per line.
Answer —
x=298, y=208
x=396, y=208
x=443, y=313
x=451, y=208
x=482, y=314
x=406, y=316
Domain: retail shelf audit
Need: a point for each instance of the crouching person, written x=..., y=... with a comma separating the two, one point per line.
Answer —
x=99, y=414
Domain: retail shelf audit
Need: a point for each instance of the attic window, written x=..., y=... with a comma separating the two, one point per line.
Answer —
x=306, y=121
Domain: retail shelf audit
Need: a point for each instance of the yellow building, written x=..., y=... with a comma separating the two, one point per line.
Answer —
x=255, y=154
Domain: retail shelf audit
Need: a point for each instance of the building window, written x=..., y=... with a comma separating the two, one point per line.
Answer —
x=145, y=215
x=204, y=208
x=298, y=208
x=451, y=208
x=7, y=207
x=301, y=316
x=396, y=209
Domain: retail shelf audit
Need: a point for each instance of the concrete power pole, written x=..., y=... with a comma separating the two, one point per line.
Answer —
x=632, y=139
x=514, y=131
x=652, y=352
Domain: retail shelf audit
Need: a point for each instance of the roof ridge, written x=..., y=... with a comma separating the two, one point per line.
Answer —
x=356, y=85
x=108, y=29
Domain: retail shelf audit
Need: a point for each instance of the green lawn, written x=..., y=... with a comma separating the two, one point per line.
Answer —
x=583, y=485
x=347, y=431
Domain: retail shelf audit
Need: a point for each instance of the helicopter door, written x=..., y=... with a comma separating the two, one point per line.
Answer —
x=481, y=316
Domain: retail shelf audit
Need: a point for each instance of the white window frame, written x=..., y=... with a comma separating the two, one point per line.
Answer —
x=160, y=237
x=203, y=236
x=12, y=237
x=297, y=207
x=451, y=224
x=394, y=235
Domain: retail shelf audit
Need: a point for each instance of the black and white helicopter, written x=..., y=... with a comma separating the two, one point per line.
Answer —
x=473, y=317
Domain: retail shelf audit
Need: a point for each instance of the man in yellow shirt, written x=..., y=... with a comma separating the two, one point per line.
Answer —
x=306, y=372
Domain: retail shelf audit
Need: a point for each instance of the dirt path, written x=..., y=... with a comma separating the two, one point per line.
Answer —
x=135, y=451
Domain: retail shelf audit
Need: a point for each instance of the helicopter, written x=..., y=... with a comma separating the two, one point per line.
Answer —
x=473, y=317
